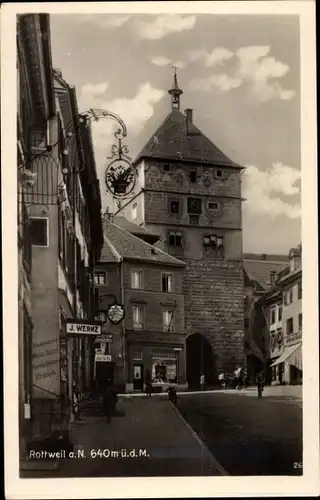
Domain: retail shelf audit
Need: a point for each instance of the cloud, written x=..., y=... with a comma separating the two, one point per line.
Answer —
x=221, y=82
x=253, y=67
x=104, y=20
x=210, y=59
x=161, y=61
x=133, y=111
x=267, y=192
x=164, y=25
x=262, y=71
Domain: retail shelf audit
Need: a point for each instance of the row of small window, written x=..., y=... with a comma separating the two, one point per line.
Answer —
x=138, y=318
x=194, y=174
x=210, y=240
x=100, y=278
x=288, y=296
x=194, y=206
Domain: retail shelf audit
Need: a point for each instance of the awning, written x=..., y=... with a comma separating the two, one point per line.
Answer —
x=289, y=355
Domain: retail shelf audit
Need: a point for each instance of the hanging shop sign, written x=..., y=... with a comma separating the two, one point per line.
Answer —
x=105, y=337
x=115, y=314
x=103, y=357
x=120, y=177
x=83, y=328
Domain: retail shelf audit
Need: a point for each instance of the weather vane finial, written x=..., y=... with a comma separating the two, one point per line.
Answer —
x=175, y=91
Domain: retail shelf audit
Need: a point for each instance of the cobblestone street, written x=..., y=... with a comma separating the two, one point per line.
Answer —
x=248, y=435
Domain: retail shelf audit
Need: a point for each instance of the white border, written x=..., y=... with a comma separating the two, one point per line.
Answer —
x=308, y=484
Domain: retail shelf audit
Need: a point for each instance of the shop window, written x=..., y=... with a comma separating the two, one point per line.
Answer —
x=137, y=316
x=174, y=207
x=136, y=280
x=289, y=326
x=194, y=205
x=39, y=231
x=167, y=282
x=100, y=278
x=168, y=318
x=164, y=367
x=175, y=239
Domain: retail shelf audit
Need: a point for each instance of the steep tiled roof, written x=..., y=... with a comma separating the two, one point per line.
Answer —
x=133, y=228
x=259, y=267
x=119, y=243
x=172, y=142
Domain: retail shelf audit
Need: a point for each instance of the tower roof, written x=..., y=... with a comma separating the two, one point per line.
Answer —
x=179, y=139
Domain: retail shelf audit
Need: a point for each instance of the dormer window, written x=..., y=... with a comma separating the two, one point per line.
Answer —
x=219, y=173
x=273, y=277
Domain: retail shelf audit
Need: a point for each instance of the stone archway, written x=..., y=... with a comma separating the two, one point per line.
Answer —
x=200, y=359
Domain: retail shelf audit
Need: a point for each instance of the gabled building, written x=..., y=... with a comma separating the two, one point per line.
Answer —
x=190, y=195
x=260, y=274
x=148, y=283
x=287, y=367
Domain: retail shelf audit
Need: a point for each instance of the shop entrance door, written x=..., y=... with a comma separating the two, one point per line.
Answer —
x=138, y=377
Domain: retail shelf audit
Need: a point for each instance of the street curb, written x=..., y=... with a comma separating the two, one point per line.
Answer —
x=217, y=464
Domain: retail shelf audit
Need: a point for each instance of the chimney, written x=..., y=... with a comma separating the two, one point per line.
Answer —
x=188, y=114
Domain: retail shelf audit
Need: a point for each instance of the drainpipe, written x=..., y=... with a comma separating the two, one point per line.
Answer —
x=123, y=340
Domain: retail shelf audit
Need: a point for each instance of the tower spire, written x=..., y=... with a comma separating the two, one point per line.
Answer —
x=175, y=91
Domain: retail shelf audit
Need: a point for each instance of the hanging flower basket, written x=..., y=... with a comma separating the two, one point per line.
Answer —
x=27, y=178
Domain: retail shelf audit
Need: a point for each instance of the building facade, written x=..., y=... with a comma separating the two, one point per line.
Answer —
x=148, y=283
x=260, y=274
x=35, y=109
x=287, y=367
x=190, y=195
x=58, y=194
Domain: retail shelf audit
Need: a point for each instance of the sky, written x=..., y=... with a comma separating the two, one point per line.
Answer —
x=239, y=73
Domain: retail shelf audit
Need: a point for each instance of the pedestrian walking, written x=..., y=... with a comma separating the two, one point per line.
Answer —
x=238, y=378
x=222, y=380
x=148, y=382
x=110, y=399
x=260, y=383
x=245, y=378
x=202, y=382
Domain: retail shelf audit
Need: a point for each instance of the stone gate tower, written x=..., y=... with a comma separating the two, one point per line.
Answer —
x=190, y=195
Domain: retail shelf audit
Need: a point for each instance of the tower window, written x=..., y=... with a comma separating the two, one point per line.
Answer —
x=175, y=239
x=213, y=205
x=219, y=173
x=213, y=241
x=174, y=206
x=134, y=211
x=193, y=176
x=194, y=205
x=167, y=282
x=100, y=278
x=194, y=219
x=166, y=167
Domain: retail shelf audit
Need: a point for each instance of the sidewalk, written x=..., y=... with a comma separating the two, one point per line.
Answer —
x=152, y=429
x=286, y=391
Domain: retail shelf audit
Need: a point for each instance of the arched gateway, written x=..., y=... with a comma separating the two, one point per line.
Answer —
x=200, y=360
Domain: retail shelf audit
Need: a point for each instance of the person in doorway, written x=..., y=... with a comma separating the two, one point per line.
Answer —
x=148, y=383
x=110, y=399
x=260, y=383
x=202, y=382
